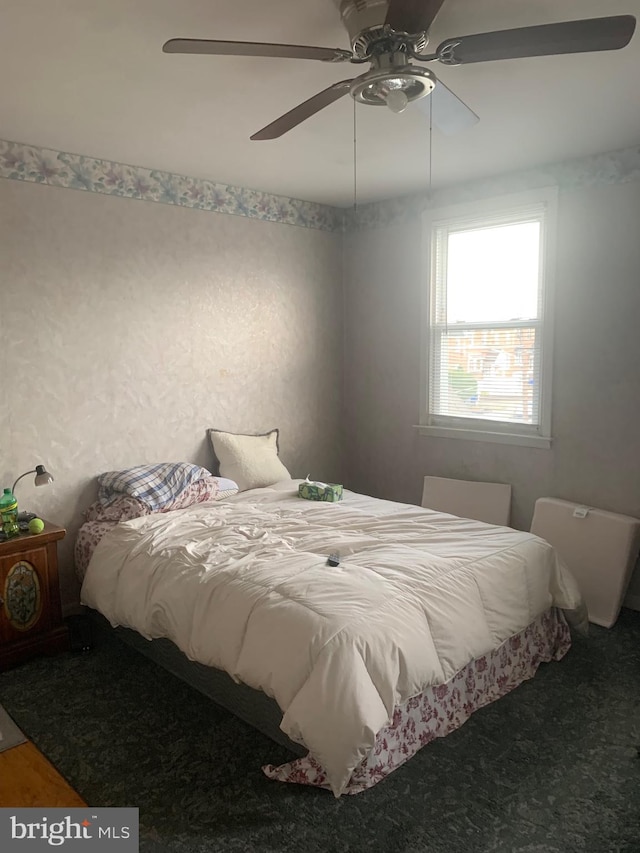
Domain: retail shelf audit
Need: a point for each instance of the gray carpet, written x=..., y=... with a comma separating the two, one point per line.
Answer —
x=551, y=768
x=10, y=734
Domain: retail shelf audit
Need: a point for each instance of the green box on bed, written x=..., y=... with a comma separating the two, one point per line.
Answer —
x=320, y=491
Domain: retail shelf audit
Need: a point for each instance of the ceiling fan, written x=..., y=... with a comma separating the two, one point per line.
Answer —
x=393, y=34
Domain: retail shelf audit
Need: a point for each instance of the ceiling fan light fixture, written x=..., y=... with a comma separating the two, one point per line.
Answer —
x=393, y=88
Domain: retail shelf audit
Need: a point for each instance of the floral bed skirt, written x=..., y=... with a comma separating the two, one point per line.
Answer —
x=443, y=708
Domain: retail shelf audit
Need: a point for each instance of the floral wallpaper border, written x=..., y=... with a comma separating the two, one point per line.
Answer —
x=22, y=162
x=613, y=167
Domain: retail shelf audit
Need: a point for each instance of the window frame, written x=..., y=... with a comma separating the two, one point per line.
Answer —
x=489, y=212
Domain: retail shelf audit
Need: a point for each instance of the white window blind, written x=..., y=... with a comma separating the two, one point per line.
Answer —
x=488, y=343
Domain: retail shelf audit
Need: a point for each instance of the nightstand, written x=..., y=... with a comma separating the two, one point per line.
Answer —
x=30, y=618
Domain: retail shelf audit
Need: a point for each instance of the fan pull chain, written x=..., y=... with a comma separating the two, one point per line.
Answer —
x=430, y=168
x=355, y=163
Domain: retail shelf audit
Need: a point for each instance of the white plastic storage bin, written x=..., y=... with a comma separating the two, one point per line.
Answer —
x=599, y=548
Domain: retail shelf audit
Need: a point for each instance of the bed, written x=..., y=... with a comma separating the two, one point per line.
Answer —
x=426, y=618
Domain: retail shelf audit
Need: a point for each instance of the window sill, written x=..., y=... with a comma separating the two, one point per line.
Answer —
x=488, y=436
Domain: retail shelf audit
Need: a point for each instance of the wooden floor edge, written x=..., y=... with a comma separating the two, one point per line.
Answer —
x=28, y=780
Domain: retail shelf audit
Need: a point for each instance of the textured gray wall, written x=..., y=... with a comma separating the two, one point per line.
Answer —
x=595, y=458
x=128, y=328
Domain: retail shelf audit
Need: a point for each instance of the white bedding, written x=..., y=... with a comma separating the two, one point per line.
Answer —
x=243, y=585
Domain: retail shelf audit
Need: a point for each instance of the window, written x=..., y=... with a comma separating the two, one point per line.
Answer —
x=488, y=347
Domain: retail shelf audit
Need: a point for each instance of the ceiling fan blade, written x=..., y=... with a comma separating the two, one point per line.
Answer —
x=448, y=112
x=412, y=16
x=303, y=111
x=249, y=48
x=545, y=40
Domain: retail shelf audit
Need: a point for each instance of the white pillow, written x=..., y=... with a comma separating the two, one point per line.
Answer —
x=251, y=460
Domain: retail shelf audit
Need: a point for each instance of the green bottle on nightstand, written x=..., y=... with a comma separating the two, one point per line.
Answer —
x=9, y=514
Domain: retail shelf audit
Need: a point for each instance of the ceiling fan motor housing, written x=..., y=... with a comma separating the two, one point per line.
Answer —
x=365, y=23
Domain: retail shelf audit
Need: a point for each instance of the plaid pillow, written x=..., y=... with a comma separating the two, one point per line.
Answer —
x=156, y=485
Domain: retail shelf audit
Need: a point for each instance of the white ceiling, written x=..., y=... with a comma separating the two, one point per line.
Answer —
x=89, y=77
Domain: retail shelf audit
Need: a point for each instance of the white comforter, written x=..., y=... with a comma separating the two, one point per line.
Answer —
x=244, y=585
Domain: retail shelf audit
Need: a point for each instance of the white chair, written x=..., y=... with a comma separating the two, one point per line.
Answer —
x=489, y=502
x=599, y=548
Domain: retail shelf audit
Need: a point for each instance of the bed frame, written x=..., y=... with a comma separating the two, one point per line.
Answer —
x=252, y=706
